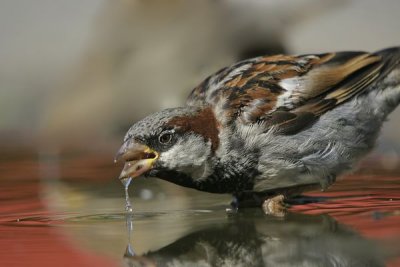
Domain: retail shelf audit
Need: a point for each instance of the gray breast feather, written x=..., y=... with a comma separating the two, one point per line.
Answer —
x=331, y=146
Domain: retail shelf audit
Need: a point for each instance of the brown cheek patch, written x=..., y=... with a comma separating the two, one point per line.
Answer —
x=203, y=123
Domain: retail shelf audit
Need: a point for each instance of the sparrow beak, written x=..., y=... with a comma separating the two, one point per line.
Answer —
x=138, y=159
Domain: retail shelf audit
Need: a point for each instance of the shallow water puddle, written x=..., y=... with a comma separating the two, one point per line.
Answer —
x=75, y=217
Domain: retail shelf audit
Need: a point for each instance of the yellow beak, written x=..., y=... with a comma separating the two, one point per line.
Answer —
x=138, y=159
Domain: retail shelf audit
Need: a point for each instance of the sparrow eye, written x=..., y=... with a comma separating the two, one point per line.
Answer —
x=165, y=138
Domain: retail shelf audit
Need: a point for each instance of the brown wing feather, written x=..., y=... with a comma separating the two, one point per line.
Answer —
x=344, y=90
x=287, y=92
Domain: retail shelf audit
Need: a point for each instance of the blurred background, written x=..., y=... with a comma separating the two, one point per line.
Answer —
x=81, y=72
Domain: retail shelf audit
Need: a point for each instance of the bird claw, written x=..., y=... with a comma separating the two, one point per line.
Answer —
x=275, y=206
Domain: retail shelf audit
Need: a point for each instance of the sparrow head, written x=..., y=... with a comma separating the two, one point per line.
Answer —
x=177, y=140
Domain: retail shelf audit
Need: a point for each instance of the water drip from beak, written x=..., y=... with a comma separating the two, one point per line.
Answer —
x=126, y=182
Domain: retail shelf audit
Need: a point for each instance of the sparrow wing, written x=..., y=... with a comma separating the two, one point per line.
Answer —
x=287, y=92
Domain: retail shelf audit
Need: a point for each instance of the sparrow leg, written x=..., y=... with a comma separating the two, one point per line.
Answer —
x=275, y=206
x=271, y=204
x=246, y=200
x=234, y=205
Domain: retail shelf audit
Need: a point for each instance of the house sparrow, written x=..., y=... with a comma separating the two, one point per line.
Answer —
x=269, y=125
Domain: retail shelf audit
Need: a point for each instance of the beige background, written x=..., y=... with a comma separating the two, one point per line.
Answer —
x=73, y=69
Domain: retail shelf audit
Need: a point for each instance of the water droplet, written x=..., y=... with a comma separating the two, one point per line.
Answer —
x=231, y=210
x=126, y=182
x=128, y=207
x=129, y=252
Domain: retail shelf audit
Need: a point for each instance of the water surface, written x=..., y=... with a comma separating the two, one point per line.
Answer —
x=69, y=211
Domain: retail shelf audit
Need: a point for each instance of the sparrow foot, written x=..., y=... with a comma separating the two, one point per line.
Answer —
x=275, y=206
x=234, y=207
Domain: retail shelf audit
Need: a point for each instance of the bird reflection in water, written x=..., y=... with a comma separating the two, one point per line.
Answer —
x=250, y=238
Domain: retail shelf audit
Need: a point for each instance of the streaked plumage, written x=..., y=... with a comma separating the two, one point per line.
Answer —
x=269, y=125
